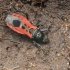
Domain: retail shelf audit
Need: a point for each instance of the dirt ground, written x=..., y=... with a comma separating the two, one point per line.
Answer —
x=16, y=51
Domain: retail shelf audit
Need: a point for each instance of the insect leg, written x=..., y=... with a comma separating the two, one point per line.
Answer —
x=40, y=47
x=39, y=23
x=46, y=29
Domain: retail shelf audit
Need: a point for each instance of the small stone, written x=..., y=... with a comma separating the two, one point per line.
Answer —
x=31, y=64
x=68, y=63
x=69, y=37
x=17, y=5
x=58, y=54
x=27, y=53
x=62, y=48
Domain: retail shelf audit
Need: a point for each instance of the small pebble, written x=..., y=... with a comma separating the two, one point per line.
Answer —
x=58, y=54
x=67, y=63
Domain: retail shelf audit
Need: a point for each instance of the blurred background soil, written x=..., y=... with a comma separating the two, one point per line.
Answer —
x=17, y=51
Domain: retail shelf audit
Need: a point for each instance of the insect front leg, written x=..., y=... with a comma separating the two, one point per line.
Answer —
x=40, y=47
x=39, y=23
x=46, y=29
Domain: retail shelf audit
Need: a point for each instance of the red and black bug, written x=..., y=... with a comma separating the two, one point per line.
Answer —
x=21, y=25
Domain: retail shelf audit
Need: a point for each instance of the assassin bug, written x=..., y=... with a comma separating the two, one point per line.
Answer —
x=21, y=25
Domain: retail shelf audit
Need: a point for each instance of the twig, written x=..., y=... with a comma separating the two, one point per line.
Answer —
x=10, y=69
x=12, y=40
